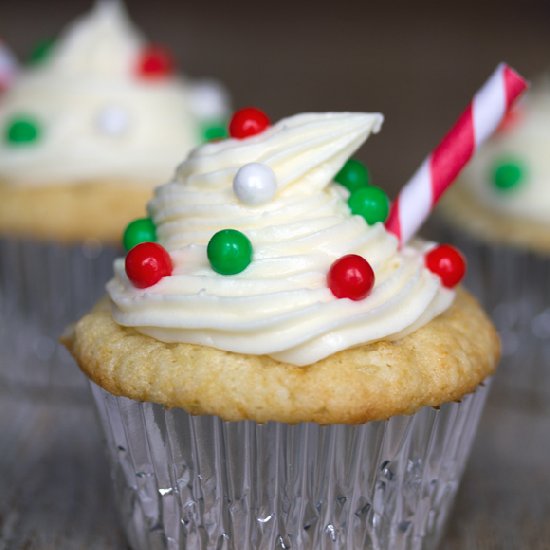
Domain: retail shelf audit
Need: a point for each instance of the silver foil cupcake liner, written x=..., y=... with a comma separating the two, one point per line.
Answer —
x=44, y=286
x=197, y=482
x=513, y=285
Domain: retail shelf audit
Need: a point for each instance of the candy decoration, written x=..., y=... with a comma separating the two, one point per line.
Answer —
x=147, y=263
x=441, y=168
x=229, y=252
x=113, y=120
x=255, y=183
x=508, y=174
x=41, y=51
x=248, y=122
x=22, y=130
x=447, y=262
x=155, y=62
x=353, y=175
x=371, y=203
x=8, y=67
x=351, y=277
x=214, y=131
x=139, y=231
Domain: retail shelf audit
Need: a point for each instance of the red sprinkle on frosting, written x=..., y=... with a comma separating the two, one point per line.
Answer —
x=155, y=62
x=248, y=122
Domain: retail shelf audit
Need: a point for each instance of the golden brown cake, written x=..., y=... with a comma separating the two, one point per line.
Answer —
x=480, y=222
x=440, y=362
x=71, y=213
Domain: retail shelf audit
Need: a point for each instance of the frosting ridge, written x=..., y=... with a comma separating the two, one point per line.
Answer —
x=280, y=304
x=103, y=43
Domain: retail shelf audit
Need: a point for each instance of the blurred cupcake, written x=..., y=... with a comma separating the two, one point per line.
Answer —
x=253, y=366
x=499, y=213
x=88, y=127
x=8, y=67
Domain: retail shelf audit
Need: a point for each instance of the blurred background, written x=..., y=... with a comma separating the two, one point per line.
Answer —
x=416, y=62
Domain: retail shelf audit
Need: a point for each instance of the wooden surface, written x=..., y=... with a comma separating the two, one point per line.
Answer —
x=55, y=487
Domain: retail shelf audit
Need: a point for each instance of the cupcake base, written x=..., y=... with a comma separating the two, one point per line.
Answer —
x=43, y=287
x=198, y=482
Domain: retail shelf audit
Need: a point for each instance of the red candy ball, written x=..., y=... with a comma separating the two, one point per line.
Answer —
x=447, y=262
x=248, y=122
x=147, y=263
x=155, y=62
x=351, y=277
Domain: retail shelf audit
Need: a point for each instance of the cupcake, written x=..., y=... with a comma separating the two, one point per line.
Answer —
x=499, y=213
x=275, y=371
x=96, y=119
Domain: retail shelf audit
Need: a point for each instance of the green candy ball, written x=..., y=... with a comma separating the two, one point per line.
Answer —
x=371, y=203
x=229, y=252
x=41, y=51
x=142, y=230
x=214, y=130
x=353, y=175
x=508, y=174
x=22, y=130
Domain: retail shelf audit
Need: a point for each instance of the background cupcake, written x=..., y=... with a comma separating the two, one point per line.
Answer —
x=499, y=213
x=275, y=299
x=95, y=120
x=8, y=66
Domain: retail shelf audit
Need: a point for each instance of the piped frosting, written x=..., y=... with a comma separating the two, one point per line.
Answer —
x=280, y=304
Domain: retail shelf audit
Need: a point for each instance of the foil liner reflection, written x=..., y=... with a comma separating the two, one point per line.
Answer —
x=45, y=286
x=513, y=285
x=197, y=482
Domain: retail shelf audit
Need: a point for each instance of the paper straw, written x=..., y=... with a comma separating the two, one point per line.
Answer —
x=440, y=169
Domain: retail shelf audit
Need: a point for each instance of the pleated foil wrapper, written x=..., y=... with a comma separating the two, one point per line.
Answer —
x=197, y=482
x=45, y=286
x=513, y=285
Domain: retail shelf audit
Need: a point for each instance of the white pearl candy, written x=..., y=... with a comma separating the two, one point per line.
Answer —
x=255, y=183
x=113, y=120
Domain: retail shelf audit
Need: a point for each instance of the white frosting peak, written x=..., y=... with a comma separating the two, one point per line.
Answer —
x=280, y=304
x=304, y=151
x=102, y=43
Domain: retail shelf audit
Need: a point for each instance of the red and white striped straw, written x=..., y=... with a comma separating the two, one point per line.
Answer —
x=440, y=169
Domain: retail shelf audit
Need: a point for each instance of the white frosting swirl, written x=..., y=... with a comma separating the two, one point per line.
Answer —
x=280, y=304
x=526, y=142
x=98, y=119
x=103, y=43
